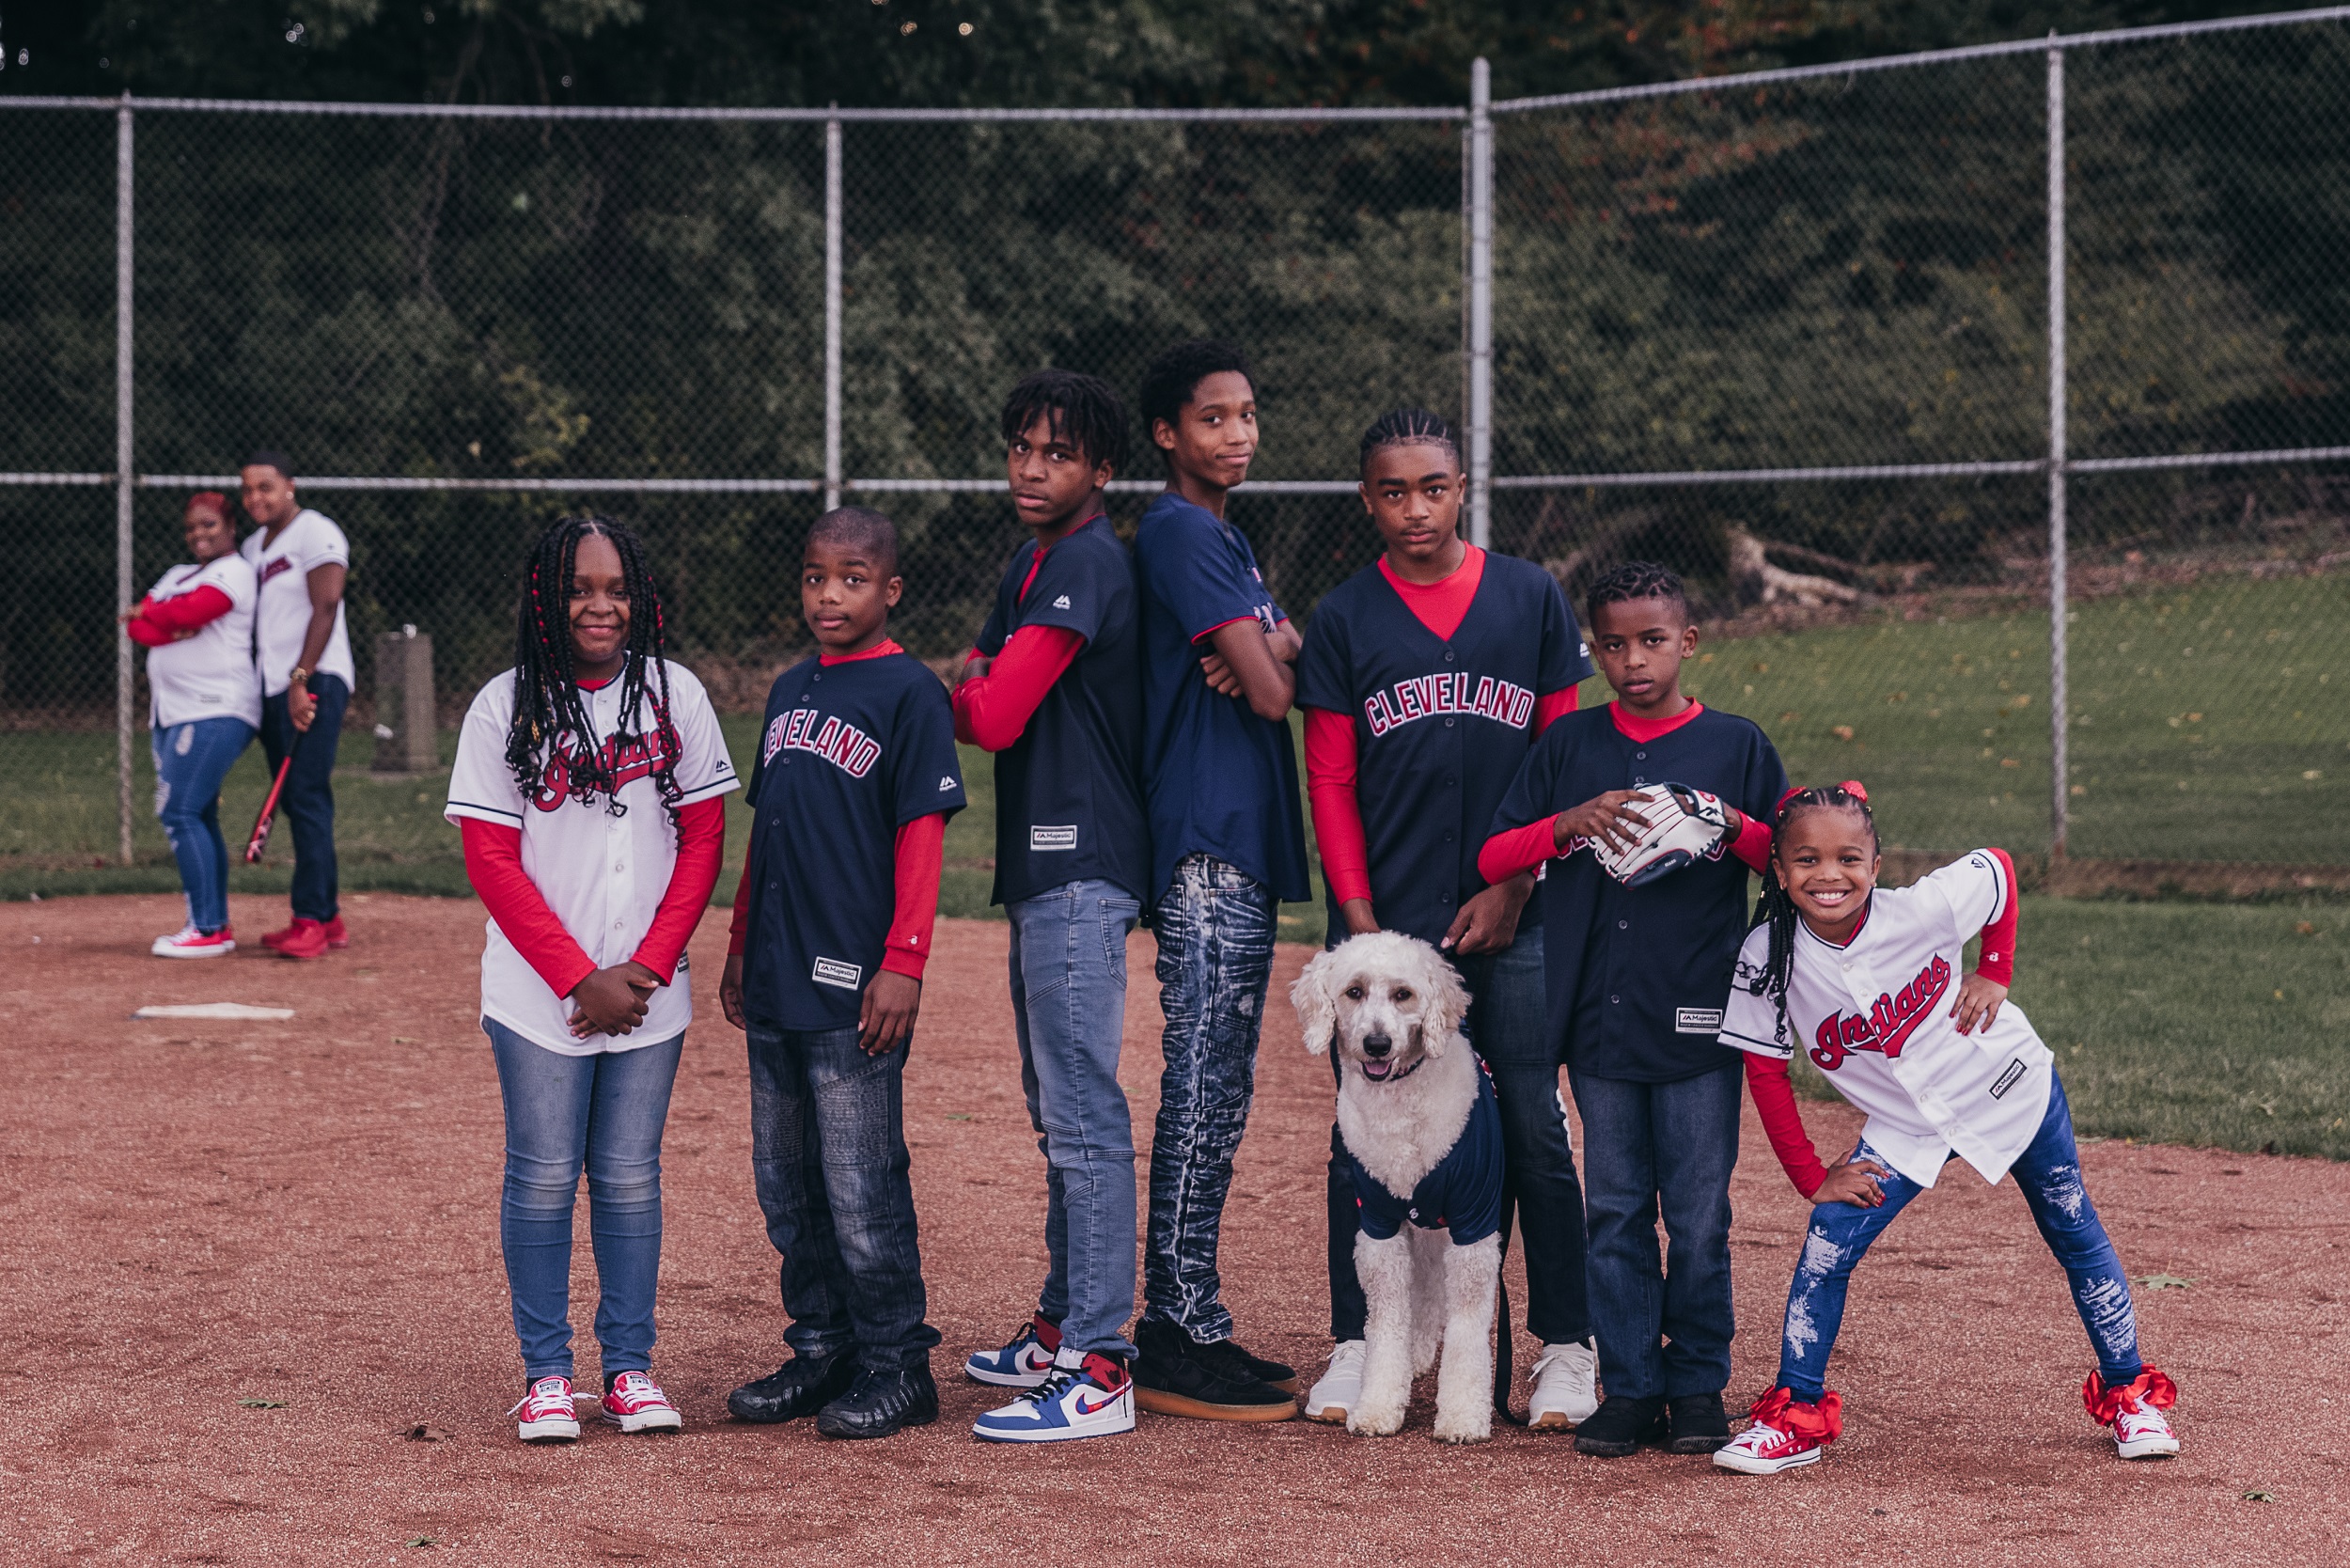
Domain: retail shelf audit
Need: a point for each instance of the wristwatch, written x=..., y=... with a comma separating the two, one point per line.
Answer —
x=298, y=677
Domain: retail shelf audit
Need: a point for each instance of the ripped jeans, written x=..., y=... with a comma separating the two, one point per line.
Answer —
x=2048, y=1172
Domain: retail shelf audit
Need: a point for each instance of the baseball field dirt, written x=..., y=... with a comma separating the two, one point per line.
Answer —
x=251, y=1270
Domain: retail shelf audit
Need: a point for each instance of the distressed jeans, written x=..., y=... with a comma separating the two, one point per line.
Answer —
x=2049, y=1173
x=1215, y=925
x=191, y=760
x=1069, y=1009
x=833, y=1173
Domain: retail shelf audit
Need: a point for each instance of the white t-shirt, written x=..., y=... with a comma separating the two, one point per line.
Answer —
x=282, y=620
x=602, y=875
x=209, y=675
x=1875, y=1015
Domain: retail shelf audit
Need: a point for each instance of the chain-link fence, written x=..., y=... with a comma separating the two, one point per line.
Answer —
x=1788, y=331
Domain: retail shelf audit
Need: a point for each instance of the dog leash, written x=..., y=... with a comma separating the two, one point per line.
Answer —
x=1502, y=1334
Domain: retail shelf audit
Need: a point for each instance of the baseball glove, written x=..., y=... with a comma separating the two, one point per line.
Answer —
x=1685, y=825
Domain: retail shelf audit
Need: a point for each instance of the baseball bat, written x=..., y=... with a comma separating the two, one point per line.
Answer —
x=268, y=818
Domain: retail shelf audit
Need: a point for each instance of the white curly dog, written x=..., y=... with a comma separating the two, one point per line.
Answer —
x=1409, y=1089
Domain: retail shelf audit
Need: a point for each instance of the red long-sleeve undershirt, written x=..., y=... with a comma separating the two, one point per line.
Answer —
x=493, y=863
x=1520, y=849
x=159, y=621
x=993, y=711
x=1998, y=962
x=921, y=852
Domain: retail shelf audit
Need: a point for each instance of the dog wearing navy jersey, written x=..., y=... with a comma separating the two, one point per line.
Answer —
x=1418, y=1112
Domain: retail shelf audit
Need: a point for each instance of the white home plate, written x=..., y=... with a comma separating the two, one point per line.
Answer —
x=213, y=1009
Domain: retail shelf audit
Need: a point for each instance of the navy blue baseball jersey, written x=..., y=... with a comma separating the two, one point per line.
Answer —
x=1220, y=781
x=1639, y=976
x=1463, y=1193
x=850, y=752
x=1441, y=727
x=1068, y=792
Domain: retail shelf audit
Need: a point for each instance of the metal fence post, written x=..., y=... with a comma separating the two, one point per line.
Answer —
x=832, y=313
x=2059, y=709
x=124, y=480
x=1481, y=304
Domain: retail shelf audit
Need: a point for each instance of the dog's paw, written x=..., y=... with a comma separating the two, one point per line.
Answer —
x=1376, y=1418
x=1465, y=1429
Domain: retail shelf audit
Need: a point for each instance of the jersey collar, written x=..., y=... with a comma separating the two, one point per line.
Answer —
x=879, y=650
x=1859, y=925
x=1645, y=731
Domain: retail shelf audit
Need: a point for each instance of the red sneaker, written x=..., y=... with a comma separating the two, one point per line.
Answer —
x=637, y=1404
x=337, y=937
x=547, y=1412
x=274, y=939
x=1786, y=1433
x=304, y=939
x=188, y=942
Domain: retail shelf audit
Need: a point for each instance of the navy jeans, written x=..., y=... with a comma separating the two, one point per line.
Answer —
x=603, y=1113
x=1214, y=924
x=1664, y=1323
x=829, y=1160
x=2049, y=1173
x=1506, y=1026
x=191, y=760
x=309, y=800
x=1069, y=1008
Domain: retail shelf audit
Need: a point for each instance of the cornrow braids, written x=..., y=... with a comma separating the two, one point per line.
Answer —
x=1079, y=408
x=1407, y=426
x=549, y=707
x=1634, y=580
x=1776, y=907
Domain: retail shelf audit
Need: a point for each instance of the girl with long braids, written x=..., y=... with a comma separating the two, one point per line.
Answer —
x=588, y=786
x=1866, y=982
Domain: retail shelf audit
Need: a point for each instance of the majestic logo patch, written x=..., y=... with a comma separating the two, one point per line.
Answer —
x=1044, y=838
x=1888, y=1027
x=2007, y=1079
x=831, y=971
x=945, y=784
x=1062, y=602
x=845, y=745
x=1698, y=1020
x=1426, y=695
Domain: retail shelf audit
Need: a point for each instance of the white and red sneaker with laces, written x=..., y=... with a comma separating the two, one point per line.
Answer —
x=188, y=942
x=637, y=1404
x=1786, y=1433
x=548, y=1414
x=2132, y=1412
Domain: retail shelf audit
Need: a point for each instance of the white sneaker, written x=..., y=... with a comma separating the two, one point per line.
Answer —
x=1094, y=1398
x=2133, y=1413
x=1340, y=1390
x=1025, y=1360
x=1566, y=1391
x=188, y=942
x=548, y=1415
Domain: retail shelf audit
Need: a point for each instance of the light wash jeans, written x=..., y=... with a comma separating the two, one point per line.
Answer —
x=2049, y=1173
x=1069, y=1007
x=603, y=1113
x=191, y=760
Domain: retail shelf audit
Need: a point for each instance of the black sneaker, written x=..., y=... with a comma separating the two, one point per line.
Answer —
x=798, y=1387
x=1697, y=1423
x=1237, y=1364
x=881, y=1403
x=1621, y=1425
x=1173, y=1376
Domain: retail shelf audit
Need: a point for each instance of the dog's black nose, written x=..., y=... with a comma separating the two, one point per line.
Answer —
x=1375, y=1046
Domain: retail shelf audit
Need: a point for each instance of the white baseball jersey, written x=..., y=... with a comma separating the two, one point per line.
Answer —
x=602, y=875
x=1875, y=1015
x=282, y=619
x=209, y=675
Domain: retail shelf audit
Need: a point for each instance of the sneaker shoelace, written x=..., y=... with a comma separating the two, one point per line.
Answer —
x=540, y=1401
x=1056, y=1382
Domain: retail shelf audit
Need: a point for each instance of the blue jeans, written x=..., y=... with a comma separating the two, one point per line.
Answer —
x=2049, y=1173
x=829, y=1159
x=604, y=1113
x=191, y=760
x=1069, y=1008
x=308, y=801
x=1664, y=1323
x=1215, y=925
x=1506, y=1025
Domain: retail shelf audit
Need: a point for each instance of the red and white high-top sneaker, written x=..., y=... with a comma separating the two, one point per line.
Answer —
x=188, y=942
x=637, y=1404
x=2132, y=1412
x=548, y=1414
x=1786, y=1433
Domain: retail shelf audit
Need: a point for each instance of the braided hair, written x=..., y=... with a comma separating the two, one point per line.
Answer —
x=548, y=704
x=1776, y=908
x=1079, y=408
x=1634, y=580
x=1408, y=427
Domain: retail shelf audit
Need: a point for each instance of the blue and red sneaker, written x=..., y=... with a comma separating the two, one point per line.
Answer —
x=1024, y=1363
x=1094, y=1398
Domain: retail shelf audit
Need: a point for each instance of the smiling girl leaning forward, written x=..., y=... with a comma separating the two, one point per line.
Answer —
x=1868, y=980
